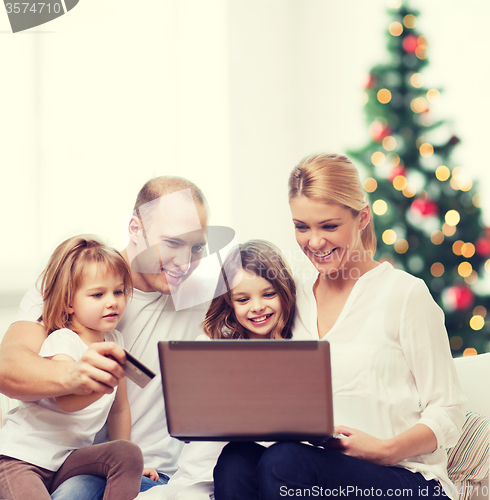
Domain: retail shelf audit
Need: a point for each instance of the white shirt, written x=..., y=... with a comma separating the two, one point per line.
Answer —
x=194, y=477
x=391, y=363
x=149, y=318
x=40, y=432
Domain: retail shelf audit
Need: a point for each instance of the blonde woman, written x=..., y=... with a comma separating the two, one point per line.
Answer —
x=397, y=401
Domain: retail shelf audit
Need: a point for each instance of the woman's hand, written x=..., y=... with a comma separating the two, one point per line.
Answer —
x=151, y=473
x=417, y=440
x=358, y=444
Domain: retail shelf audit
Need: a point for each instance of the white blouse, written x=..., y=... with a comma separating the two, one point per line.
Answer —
x=391, y=363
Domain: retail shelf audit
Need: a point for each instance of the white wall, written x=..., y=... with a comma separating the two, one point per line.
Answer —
x=229, y=93
x=88, y=116
x=297, y=71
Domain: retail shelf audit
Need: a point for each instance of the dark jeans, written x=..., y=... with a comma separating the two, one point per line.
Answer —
x=247, y=471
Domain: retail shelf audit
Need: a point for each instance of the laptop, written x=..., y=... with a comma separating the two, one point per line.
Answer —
x=254, y=390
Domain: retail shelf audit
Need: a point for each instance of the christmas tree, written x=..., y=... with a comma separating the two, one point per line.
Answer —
x=426, y=208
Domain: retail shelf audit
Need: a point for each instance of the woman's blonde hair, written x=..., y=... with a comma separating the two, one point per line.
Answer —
x=331, y=178
x=263, y=259
x=64, y=274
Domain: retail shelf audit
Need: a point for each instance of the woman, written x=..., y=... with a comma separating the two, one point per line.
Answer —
x=396, y=394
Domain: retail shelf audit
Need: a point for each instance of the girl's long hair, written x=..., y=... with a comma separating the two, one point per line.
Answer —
x=64, y=274
x=263, y=259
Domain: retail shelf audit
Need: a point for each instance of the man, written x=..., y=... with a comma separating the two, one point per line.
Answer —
x=166, y=242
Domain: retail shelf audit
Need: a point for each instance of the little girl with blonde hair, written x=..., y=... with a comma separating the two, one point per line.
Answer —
x=43, y=443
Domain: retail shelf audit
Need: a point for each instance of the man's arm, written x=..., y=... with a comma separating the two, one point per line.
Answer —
x=26, y=376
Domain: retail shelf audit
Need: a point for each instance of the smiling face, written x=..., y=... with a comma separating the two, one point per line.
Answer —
x=168, y=245
x=256, y=304
x=329, y=234
x=98, y=303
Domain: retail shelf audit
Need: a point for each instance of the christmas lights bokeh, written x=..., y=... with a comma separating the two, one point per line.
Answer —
x=426, y=208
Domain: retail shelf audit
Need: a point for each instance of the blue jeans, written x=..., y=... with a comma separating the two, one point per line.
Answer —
x=248, y=471
x=92, y=487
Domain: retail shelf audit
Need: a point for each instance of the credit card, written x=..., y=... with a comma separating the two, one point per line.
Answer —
x=137, y=371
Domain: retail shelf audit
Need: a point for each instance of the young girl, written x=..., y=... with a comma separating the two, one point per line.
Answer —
x=255, y=299
x=85, y=287
x=255, y=296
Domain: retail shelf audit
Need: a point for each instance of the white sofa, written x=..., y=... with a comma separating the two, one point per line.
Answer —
x=474, y=375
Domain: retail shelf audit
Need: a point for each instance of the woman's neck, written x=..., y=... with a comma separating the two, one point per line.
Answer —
x=343, y=280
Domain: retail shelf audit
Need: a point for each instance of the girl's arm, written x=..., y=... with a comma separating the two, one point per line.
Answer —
x=119, y=419
x=119, y=422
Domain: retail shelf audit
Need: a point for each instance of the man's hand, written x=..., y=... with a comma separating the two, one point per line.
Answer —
x=99, y=370
x=27, y=376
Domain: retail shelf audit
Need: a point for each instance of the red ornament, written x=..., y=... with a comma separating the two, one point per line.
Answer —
x=370, y=82
x=396, y=171
x=410, y=44
x=379, y=131
x=459, y=297
x=482, y=246
x=424, y=207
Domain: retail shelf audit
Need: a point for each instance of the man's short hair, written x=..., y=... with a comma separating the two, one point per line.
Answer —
x=166, y=184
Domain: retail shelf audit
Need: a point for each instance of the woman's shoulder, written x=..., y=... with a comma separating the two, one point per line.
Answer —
x=401, y=287
x=386, y=272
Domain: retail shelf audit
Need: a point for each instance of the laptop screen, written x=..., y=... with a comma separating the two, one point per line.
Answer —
x=260, y=390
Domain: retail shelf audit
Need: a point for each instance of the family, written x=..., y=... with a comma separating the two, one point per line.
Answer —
x=397, y=400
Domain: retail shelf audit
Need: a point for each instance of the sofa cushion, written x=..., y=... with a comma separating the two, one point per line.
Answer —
x=468, y=461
